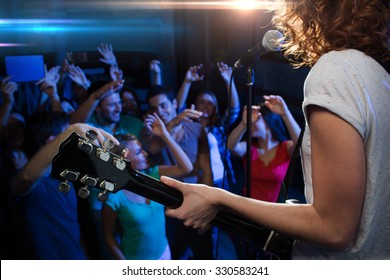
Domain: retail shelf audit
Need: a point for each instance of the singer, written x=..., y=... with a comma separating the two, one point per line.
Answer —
x=345, y=149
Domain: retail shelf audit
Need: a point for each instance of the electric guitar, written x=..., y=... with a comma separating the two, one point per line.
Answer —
x=81, y=161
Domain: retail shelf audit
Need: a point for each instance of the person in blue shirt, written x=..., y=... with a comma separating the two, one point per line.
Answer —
x=50, y=216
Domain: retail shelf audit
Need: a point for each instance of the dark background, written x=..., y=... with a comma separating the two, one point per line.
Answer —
x=179, y=36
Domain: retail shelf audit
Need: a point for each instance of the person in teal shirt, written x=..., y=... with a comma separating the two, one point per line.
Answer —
x=142, y=221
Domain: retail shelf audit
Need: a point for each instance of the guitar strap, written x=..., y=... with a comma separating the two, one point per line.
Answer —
x=288, y=178
x=279, y=244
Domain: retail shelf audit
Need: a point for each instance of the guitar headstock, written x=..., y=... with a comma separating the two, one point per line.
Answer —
x=80, y=160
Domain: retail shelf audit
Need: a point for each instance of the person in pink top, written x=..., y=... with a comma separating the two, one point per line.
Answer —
x=274, y=136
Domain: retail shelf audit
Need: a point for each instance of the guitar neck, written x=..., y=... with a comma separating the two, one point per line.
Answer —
x=94, y=167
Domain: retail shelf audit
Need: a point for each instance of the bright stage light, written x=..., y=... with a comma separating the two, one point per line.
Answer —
x=246, y=4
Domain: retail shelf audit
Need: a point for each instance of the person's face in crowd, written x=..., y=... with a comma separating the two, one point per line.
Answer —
x=259, y=127
x=136, y=155
x=129, y=103
x=206, y=104
x=164, y=108
x=110, y=108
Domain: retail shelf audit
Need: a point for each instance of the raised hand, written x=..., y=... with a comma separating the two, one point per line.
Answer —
x=107, y=53
x=192, y=73
x=48, y=84
x=8, y=88
x=116, y=73
x=276, y=104
x=154, y=66
x=156, y=125
x=188, y=115
x=225, y=70
x=78, y=76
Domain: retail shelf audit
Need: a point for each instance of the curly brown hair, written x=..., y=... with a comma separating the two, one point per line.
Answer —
x=315, y=27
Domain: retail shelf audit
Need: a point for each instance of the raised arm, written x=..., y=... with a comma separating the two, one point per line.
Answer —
x=277, y=105
x=191, y=76
x=108, y=54
x=7, y=89
x=155, y=72
x=78, y=76
x=226, y=73
x=184, y=165
x=48, y=85
x=235, y=145
x=86, y=109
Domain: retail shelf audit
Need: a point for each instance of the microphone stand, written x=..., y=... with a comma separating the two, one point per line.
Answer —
x=248, y=172
x=249, y=83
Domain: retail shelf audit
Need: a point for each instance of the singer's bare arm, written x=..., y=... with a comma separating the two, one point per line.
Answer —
x=338, y=165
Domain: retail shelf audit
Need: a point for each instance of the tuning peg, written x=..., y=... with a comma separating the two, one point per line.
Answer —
x=83, y=192
x=107, y=186
x=91, y=135
x=64, y=187
x=104, y=154
x=108, y=144
x=120, y=162
x=89, y=182
x=86, y=145
x=102, y=196
x=68, y=175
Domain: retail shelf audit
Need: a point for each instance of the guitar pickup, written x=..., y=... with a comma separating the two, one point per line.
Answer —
x=106, y=185
x=89, y=181
x=69, y=175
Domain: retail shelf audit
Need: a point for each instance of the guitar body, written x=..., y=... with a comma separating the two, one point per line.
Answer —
x=79, y=160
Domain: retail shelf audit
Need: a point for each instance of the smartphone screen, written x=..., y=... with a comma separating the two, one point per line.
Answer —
x=25, y=68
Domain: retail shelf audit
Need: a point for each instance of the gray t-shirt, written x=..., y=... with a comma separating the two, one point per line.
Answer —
x=356, y=88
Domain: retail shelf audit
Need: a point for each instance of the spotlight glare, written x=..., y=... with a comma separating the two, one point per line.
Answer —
x=245, y=4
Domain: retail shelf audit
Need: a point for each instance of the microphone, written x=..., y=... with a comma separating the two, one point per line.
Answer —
x=271, y=42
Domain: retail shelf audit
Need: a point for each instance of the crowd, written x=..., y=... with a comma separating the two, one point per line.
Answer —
x=196, y=144
x=171, y=137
